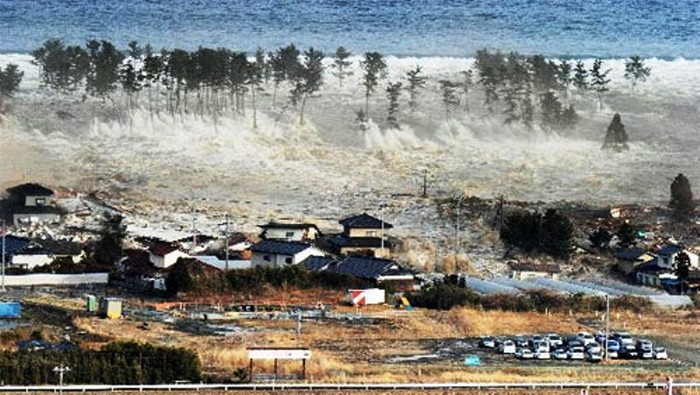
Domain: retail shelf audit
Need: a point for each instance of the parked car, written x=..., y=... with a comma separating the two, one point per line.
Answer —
x=645, y=349
x=593, y=356
x=542, y=354
x=508, y=347
x=487, y=342
x=554, y=340
x=613, y=349
x=520, y=341
x=535, y=339
x=594, y=348
x=624, y=338
x=524, y=353
x=560, y=353
x=660, y=353
x=585, y=338
x=576, y=353
x=628, y=351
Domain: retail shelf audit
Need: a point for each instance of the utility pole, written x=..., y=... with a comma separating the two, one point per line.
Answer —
x=226, y=235
x=425, y=183
x=381, y=234
x=2, y=289
x=607, y=324
x=61, y=371
x=194, y=234
x=458, y=243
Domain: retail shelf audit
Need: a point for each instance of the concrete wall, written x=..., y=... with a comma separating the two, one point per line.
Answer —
x=167, y=260
x=279, y=260
x=56, y=279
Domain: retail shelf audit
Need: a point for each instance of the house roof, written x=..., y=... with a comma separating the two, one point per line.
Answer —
x=15, y=245
x=279, y=247
x=317, y=262
x=279, y=225
x=651, y=267
x=341, y=240
x=364, y=221
x=161, y=249
x=670, y=249
x=221, y=264
x=30, y=189
x=61, y=247
x=630, y=254
x=368, y=267
x=534, y=267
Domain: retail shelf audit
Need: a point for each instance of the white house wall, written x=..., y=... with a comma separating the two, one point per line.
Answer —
x=31, y=261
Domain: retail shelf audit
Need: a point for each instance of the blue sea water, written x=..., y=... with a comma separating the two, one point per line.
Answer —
x=601, y=28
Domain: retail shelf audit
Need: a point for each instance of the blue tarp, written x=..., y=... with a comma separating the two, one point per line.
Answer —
x=10, y=309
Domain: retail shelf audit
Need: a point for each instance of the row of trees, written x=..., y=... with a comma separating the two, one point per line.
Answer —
x=209, y=81
x=115, y=363
x=550, y=233
x=10, y=78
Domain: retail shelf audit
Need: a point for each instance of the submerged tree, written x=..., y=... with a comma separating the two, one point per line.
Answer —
x=393, y=91
x=599, y=80
x=374, y=67
x=308, y=79
x=616, y=136
x=103, y=74
x=415, y=82
x=340, y=64
x=63, y=68
x=636, y=71
x=467, y=83
x=449, y=96
x=681, y=198
x=10, y=79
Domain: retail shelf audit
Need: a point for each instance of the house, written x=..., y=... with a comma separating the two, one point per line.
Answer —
x=653, y=275
x=362, y=234
x=528, y=270
x=289, y=232
x=666, y=256
x=164, y=255
x=629, y=258
x=25, y=253
x=375, y=269
x=31, y=195
x=63, y=249
x=32, y=204
x=280, y=253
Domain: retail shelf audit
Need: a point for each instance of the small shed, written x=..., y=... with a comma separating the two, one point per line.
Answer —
x=111, y=308
x=368, y=296
x=91, y=303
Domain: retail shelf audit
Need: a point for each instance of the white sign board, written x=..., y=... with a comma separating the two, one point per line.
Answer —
x=279, y=353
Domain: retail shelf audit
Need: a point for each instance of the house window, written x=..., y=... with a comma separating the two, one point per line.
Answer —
x=40, y=201
x=266, y=258
x=289, y=234
x=288, y=260
x=664, y=260
x=372, y=233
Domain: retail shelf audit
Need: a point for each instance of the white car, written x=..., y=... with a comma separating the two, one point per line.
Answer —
x=660, y=353
x=593, y=356
x=585, y=338
x=594, y=348
x=576, y=353
x=613, y=349
x=624, y=338
x=542, y=355
x=508, y=347
x=524, y=353
x=554, y=340
x=560, y=353
x=488, y=342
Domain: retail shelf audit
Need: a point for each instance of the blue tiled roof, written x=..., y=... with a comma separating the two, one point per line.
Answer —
x=368, y=267
x=364, y=221
x=670, y=249
x=630, y=254
x=15, y=245
x=279, y=247
x=317, y=262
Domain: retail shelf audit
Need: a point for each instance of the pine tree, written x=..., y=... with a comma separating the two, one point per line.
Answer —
x=308, y=78
x=551, y=111
x=393, y=91
x=580, y=79
x=599, y=80
x=10, y=79
x=179, y=278
x=616, y=136
x=627, y=234
x=415, y=83
x=467, y=83
x=341, y=63
x=681, y=199
x=103, y=74
x=449, y=96
x=563, y=73
x=636, y=71
x=681, y=269
x=374, y=67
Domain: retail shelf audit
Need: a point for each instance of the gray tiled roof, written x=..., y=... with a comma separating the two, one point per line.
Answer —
x=364, y=221
x=279, y=247
x=368, y=267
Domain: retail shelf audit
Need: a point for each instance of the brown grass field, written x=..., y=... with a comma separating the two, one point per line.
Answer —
x=344, y=351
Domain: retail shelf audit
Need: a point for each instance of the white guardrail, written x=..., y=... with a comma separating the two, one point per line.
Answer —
x=341, y=387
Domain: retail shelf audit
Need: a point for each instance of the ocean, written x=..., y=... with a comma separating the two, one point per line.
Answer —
x=422, y=28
